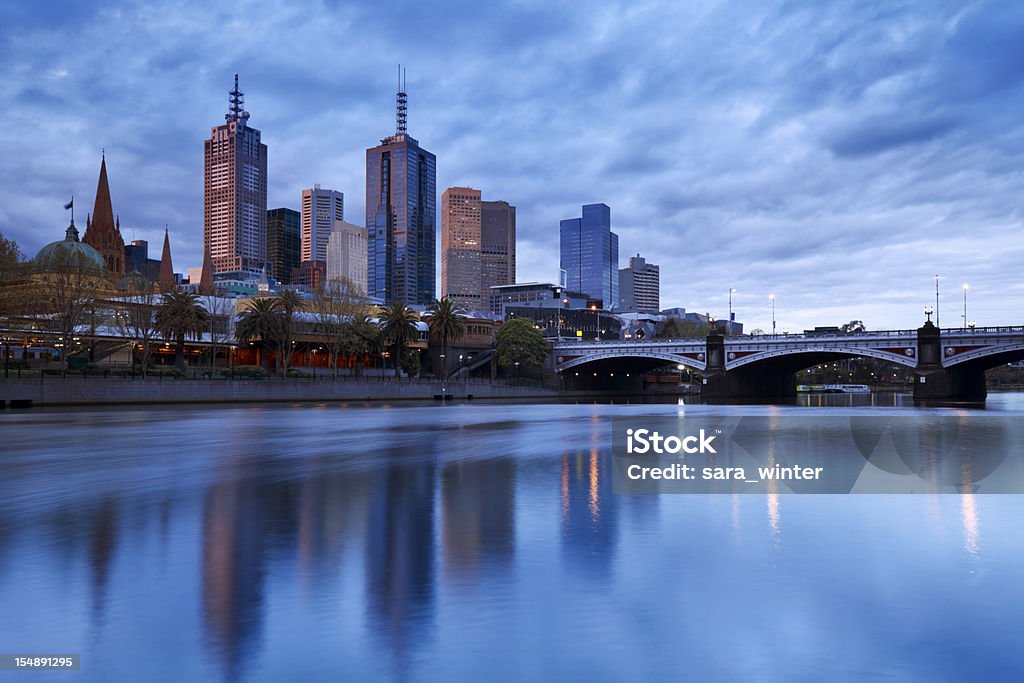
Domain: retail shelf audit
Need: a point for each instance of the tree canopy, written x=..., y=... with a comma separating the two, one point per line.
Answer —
x=519, y=341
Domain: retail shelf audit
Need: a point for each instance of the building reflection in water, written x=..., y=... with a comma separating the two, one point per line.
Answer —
x=478, y=514
x=969, y=513
x=589, y=510
x=400, y=551
x=102, y=524
x=234, y=548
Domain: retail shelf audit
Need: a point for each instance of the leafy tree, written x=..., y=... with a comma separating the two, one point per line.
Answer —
x=11, y=268
x=446, y=322
x=520, y=342
x=179, y=316
x=853, y=327
x=362, y=338
x=262, y=321
x=398, y=326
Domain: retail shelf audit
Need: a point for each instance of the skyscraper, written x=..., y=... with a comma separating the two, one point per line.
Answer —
x=590, y=254
x=346, y=254
x=102, y=231
x=401, y=207
x=284, y=241
x=477, y=246
x=235, y=192
x=460, y=247
x=498, y=245
x=640, y=286
x=320, y=209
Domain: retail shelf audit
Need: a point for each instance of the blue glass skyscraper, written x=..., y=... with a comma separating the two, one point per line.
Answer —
x=590, y=254
x=401, y=209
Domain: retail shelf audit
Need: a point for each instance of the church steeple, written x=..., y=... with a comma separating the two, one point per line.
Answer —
x=102, y=232
x=206, y=277
x=166, y=279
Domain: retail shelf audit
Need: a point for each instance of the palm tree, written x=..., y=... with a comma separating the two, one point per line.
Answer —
x=361, y=338
x=446, y=321
x=288, y=302
x=261, y=321
x=398, y=326
x=180, y=315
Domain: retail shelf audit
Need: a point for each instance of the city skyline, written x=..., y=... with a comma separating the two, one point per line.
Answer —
x=835, y=157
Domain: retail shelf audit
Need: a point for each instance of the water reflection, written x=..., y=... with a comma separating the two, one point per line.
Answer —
x=475, y=543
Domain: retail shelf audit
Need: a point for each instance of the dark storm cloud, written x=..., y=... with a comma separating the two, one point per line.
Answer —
x=835, y=154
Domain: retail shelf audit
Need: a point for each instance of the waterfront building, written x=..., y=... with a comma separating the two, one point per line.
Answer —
x=590, y=254
x=401, y=207
x=309, y=274
x=477, y=246
x=346, y=254
x=639, y=286
x=235, y=192
x=102, y=230
x=284, y=241
x=320, y=209
x=497, y=244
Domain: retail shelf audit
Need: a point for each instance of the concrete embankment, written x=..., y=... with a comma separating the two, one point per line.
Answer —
x=108, y=390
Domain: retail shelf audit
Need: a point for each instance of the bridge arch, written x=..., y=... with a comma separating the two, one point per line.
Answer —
x=617, y=355
x=816, y=354
x=985, y=356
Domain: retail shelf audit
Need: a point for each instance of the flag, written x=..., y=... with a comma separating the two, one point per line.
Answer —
x=69, y=205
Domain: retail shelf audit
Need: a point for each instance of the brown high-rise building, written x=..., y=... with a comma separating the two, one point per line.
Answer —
x=235, y=192
x=460, y=246
x=478, y=246
x=102, y=230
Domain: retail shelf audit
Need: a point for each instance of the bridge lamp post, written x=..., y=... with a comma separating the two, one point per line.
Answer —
x=936, y=301
x=731, y=290
x=928, y=310
x=771, y=297
x=965, y=304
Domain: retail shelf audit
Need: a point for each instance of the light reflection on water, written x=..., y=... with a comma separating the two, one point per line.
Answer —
x=483, y=541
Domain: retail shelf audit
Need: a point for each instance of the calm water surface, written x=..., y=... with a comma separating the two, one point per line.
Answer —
x=474, y=542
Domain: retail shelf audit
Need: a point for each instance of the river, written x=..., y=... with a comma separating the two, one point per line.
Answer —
x=476, y=542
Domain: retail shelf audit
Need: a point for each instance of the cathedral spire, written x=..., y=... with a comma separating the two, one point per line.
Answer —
x=102, y=210
x=166, y=279
x=206, y=277
x=102, y=232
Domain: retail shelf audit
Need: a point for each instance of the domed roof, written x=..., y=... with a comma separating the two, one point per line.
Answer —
x=70, y=252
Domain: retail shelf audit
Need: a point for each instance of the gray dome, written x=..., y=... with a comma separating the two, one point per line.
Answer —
x=70, y=252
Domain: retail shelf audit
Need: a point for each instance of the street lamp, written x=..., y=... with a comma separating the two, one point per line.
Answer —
x=928, y=310
x=965, y=304
x=936, y=300
x=771, y=297
x=731, y=290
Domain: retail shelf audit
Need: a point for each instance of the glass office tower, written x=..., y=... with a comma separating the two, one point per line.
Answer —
x=590, y=254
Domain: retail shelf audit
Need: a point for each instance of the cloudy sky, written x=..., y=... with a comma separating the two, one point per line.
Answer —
x=837, y=155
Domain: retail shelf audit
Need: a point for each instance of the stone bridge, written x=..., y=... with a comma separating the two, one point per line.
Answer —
x=946, y=363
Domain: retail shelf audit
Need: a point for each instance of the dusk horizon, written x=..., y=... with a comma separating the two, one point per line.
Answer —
x=839, y=157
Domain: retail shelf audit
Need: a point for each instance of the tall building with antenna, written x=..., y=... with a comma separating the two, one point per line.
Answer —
x=235, y=192
x=401, y=211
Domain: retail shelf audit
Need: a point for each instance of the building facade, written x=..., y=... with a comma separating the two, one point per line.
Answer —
x=640, y=286
x=401, y=209
x=498, y=245
x=461, y=278
x=235, y=192
x=284, y=239
x=320, y=209
x=346, y=254
x=590, y=254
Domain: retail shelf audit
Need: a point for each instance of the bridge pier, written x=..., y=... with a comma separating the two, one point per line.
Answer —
x=750, y=382
x=932, y=382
